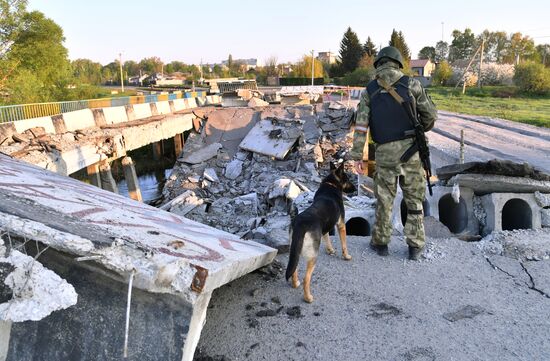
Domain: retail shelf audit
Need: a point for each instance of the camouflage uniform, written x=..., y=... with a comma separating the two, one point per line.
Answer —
x=389, y=168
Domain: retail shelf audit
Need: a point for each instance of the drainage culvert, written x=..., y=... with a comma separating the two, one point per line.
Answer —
x=516, y=214
x=357, y=226
x=453, y=215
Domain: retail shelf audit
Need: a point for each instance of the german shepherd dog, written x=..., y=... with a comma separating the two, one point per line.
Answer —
x=309, y=227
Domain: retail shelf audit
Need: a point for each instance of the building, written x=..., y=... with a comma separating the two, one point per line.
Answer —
x=422, y=67
x=251, y=63
x=327, y=57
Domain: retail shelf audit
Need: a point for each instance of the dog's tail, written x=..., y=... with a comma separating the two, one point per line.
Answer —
x=297, y=241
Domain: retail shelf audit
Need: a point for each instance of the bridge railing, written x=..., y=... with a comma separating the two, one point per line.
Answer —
x=11, y=113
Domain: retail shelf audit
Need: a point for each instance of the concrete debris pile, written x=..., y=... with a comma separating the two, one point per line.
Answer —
x=29, y=291
x=246, y=167
x=521, y=244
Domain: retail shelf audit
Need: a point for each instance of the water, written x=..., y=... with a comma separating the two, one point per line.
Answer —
x=150, y=184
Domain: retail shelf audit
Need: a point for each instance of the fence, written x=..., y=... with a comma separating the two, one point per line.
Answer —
x=11, y=113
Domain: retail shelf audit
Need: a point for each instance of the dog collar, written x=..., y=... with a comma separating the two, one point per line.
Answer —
x=332, y=184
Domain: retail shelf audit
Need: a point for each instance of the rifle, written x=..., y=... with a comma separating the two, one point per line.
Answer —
x=420, y=144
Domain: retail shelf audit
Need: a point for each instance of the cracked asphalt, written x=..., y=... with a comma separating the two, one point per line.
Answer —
x=456, y=305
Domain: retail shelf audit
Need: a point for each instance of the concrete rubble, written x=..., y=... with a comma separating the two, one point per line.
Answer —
x=248, y=186
x=30, y=291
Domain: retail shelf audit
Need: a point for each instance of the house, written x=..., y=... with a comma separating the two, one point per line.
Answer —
x=326, y=57
x=251, y=63
x=422, y=67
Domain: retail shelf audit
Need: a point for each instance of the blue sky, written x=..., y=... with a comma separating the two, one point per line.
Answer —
x=211, y=30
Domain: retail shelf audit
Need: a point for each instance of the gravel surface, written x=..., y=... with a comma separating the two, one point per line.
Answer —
x=456, y=305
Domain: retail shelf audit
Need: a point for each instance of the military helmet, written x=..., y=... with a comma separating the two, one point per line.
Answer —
x=389, y=52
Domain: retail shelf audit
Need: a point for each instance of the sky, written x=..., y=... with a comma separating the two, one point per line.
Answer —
x=191, y=31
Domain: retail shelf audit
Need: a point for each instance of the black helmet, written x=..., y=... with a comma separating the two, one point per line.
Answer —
x=389, y=52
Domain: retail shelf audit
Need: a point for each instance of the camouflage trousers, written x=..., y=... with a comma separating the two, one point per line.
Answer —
x=410, y=176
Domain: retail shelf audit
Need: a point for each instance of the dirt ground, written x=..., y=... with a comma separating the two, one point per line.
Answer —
x=457, y=304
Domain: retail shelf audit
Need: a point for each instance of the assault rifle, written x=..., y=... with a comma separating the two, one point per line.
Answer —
x=420, y=144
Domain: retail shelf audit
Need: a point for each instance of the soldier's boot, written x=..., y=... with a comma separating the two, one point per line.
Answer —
x=381, y=250
x=415, y=253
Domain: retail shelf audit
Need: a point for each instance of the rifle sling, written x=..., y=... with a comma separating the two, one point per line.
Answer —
x=390, y=90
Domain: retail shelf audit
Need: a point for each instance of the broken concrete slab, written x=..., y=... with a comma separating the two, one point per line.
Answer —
x=257, y=102
x=200, y=155
x=484, y=183
x=259, y=140
x=167, y=253
x=493, y=167
x=233, y=169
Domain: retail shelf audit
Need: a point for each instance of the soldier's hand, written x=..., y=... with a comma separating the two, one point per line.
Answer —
x=359, y=167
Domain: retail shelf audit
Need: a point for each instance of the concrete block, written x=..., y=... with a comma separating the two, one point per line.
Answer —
x=177, y=264
x=545, y=217
x=115, y=115
x=201, y=101
x=163, y=107
x=142, y=111
x=80, y=119
x=459, y=218
x=192, y=103
x=179, y=104
x=507, y=211
x=45, y=122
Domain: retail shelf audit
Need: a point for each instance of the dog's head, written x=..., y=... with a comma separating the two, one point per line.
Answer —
x=340, y=178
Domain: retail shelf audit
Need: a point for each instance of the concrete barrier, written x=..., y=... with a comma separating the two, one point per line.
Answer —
x=191, y=103
x=77, y=120
x=174, y=263
x=179, y=104
x=140, y=111
x=115, y=115
x=163, y=108
x=45, y=122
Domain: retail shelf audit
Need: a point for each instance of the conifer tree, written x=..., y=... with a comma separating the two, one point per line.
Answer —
x=351, y=51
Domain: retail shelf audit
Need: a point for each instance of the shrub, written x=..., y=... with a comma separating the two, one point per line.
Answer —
x=442, y=74
x=359, y=77
x=532, y=78
x=497, y=74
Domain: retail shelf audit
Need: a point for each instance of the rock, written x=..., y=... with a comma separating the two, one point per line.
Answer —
x=201, y=155
x=194, y=178
x=257, y=102
x=542, y=199
x=545, y=217
x=233, y=169
x=210, y=174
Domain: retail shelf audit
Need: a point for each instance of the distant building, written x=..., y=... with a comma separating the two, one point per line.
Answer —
x=326, y=57
x=422, y=67
x=251, y=63
x=137, y=80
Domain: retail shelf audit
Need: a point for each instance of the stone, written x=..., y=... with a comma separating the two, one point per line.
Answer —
x=542, y=199
x=233, y=169
x=545, y=217
x=201, y=155
x=210, y=174
x=257, y=102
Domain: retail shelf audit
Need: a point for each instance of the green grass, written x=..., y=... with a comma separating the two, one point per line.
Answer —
x=498, y=102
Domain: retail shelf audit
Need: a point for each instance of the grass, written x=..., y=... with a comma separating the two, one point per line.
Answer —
x=498, y=102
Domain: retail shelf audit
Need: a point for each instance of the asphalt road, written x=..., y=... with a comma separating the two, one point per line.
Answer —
x=456, y=305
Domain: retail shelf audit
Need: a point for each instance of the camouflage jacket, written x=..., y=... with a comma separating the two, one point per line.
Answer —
x=391, y=73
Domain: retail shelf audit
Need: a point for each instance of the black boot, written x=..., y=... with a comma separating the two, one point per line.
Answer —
x=381, y=250
x=415, y=253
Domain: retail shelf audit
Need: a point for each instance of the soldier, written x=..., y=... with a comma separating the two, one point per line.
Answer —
x=393, y=133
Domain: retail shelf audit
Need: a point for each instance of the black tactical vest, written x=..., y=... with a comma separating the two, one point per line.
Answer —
x=388, y=119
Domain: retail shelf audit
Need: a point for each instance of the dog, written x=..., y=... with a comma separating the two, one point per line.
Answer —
x=313, y=224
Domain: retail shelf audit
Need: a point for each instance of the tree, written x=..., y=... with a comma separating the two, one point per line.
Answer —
x=351, y=51
x=544, y=53
x=366, y=62
x=131, y=67
x=11, y=24
x=86, y=71
x=270, y=67
x=532, y=78
x=369, y=48
x=518, y=47
x=441, y=51
x=151, y=65
x=397, y=40
x=427, y=52
x=303, y=68
x=230, y=62
x=442, y=74
x=37, y=55
x=463, y=45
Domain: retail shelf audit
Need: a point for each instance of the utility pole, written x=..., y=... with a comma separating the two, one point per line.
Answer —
x=312, y=68
x=480, y=62
x=121, y=76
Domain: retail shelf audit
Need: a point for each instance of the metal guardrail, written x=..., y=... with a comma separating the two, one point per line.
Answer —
x=12, y=113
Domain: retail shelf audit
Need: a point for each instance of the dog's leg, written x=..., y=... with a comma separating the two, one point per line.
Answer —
x=328, y=244
x=307, y=280
x=342, y=234
x=295, y=281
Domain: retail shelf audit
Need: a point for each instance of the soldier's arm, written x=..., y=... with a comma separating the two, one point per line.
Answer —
x=427, y=113
x=361, y=126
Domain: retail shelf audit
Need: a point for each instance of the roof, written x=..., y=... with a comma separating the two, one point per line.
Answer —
x=419, y=63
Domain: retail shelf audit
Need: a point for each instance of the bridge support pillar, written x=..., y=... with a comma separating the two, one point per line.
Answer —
x=107, y=181
x=158, y=150
x=131, y=179
x=178, y=144
x=94, y=175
